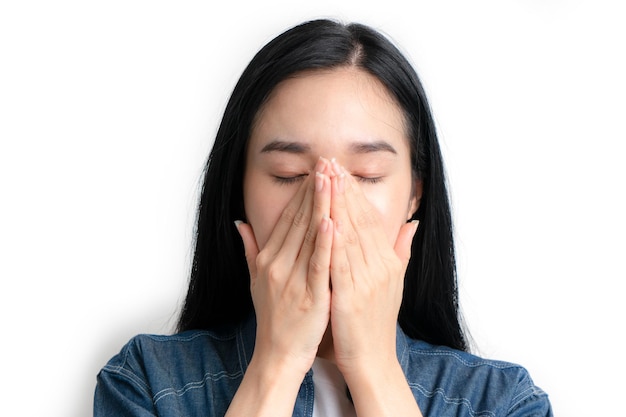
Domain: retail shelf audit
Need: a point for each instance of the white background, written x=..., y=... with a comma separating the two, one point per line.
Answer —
x=107, y=113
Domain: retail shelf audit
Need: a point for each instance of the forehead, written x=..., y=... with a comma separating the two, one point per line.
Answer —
x=330, y=110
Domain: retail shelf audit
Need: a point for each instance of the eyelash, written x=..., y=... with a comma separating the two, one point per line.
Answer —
x=369, y=180
x=297, y=178
x=289, y=180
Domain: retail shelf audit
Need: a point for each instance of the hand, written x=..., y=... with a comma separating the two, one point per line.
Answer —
x=367, y=276
x=289, y=277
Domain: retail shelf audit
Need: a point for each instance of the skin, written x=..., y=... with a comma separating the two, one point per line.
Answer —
x=328, y=190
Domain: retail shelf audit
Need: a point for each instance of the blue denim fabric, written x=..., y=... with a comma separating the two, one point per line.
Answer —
x=197, y=373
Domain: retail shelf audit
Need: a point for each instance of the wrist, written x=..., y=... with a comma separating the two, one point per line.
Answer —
x=269, y=388
x=370, y=369
x=273, y=368
x=381, y=390
x=368, y=361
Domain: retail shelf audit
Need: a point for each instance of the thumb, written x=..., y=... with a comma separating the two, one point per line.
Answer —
x=250, y=247
x=404, y=241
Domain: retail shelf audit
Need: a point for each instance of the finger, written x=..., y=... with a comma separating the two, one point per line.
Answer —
x=343, y=224
x=287, y=217
x=250, y=246
x=328, y=168
x=340, y=271
x=321, y=209
x=365, y=219
x=304, y=226
x=404, y=241
x=318, y=276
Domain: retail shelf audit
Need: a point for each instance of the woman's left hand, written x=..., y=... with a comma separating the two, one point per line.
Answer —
x=367, y=276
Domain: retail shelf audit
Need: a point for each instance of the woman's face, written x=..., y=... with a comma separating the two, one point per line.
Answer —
x=345, y=114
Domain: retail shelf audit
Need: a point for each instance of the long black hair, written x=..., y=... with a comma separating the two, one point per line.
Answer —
x=219, y=292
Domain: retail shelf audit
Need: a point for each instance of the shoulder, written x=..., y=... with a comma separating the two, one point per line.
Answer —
x=445, y=377
x=194, y=343
x=185, y=371
x=146, y=356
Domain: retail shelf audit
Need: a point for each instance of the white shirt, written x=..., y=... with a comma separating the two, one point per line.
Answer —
x=331, y=394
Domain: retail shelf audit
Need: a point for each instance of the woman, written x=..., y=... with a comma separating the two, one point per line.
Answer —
x=323, y=279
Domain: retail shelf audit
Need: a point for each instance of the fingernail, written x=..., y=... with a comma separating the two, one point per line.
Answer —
x=415, y=225
x=338, y=227
x=327, y=168
x=324, y=224
x=335, y=166
x=238, y=223
x=319, y=181
x=321, y=164
x=341, y=183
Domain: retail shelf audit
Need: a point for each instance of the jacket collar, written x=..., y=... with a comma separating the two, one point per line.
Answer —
x=246, y=336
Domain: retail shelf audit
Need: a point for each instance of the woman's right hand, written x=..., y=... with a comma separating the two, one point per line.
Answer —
x=290, y=279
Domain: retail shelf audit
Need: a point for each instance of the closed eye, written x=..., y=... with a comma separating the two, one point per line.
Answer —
x=289, y=180
x=368, y=180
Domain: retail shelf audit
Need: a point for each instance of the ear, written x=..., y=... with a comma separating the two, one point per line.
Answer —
x=416, y=198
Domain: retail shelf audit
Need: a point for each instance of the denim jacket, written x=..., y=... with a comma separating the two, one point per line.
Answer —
x=197, y=373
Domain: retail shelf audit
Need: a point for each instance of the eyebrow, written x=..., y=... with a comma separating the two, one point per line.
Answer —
x=283, y=146
x=376, y=146
x=354, y=147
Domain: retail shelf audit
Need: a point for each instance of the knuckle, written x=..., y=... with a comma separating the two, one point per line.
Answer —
x=300, y=219
x=309, y=236
x=316, y=266
x=263, y=259
x=342, y=267
x=307, y=302
x=274, y=273
x=365, y=218
x=288, y=215
x=350, y=237
x=367, y=290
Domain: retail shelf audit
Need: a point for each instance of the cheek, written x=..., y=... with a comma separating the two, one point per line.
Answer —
x=393, y=208
x=263, y=206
